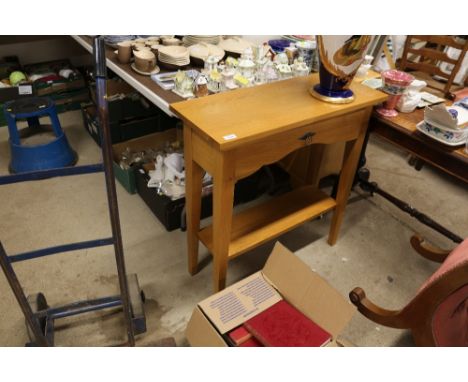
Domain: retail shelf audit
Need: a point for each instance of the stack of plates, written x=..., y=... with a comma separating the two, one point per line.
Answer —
x=203, y=51
x=235, y=45
x=192, y=40
x=115, y=39
x=173, y=56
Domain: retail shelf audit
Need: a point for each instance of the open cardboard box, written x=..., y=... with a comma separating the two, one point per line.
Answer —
x=154, y=141
x=295, y=282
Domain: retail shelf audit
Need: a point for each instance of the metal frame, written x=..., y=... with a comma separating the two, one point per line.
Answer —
x=129, y=297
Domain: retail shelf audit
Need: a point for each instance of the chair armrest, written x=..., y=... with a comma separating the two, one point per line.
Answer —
x=391, y=318
x=427, y=250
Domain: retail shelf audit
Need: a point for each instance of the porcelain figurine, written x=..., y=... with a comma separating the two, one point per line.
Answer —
x=247, y=66
x=340, y=58
x=300, y=68
x=228, y=78
x=201, y=86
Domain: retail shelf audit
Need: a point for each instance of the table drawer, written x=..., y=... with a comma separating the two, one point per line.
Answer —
x=273, y=148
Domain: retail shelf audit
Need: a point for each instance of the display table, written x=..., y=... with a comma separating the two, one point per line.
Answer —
x=402, y=132
x=233, y=134
x=144, y=84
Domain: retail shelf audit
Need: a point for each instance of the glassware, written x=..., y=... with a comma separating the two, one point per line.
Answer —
x=306, y=50
x=395, y=83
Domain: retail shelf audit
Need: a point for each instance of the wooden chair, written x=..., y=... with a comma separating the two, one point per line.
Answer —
x=438, y=314
x=424, y=55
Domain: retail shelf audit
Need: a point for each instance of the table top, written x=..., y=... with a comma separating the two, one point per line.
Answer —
x=238, y=117
x=406, y=124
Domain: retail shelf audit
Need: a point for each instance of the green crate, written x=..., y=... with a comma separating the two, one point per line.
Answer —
x=126, y=178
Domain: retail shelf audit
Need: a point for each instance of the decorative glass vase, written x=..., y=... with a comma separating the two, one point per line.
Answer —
x=395, y=83
x=340, y=58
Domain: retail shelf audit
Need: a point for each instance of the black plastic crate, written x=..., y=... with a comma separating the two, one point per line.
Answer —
x=169, y=212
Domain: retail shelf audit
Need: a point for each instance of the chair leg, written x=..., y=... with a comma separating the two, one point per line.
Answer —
x=416, y=162
x=391, y=318
x=428, y=251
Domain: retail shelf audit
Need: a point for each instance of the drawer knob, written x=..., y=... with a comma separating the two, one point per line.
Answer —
x=307, y=137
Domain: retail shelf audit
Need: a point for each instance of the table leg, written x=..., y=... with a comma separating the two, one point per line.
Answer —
x=193, y=190
x=223, y=200
x=348, y=171
x=314, y=167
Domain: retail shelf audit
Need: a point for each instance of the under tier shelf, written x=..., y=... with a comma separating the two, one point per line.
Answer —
x=272, y=218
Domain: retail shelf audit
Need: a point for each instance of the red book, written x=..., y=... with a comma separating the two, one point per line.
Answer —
x=239, y=335
x=251, y=342
x=283, y=325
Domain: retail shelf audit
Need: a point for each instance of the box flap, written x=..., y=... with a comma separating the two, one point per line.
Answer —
x=239, y=302
x=307, y=291
x=200, y=332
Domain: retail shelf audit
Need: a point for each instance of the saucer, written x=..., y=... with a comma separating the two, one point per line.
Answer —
x=154, y=71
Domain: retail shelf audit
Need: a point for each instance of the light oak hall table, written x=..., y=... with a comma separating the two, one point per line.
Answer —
x=231, y=135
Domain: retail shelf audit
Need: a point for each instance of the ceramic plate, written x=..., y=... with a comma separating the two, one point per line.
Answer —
x=154, y=71
x=202, y=51
x=173, y=51
x=420, y=126
x=235, y=45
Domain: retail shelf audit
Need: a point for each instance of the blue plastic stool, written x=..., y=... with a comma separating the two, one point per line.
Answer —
x=27, y=158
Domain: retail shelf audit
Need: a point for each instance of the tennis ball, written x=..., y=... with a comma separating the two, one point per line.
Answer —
x=16, y=78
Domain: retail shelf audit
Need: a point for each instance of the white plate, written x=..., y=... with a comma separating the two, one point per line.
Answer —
x=235, y=45
x=180, y=63
x=453, y=144
x=173, y=51
x=202, y=51
x=164, y=57
x=154, y=71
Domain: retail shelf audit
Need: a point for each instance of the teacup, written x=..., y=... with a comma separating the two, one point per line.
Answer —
x=124, y=52
x=145, y=60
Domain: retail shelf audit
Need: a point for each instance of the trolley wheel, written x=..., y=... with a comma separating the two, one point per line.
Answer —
x=37, y=302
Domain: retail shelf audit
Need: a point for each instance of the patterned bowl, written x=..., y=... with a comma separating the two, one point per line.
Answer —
x=395, y=82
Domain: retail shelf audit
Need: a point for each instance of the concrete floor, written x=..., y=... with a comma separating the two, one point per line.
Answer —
x=373, y=250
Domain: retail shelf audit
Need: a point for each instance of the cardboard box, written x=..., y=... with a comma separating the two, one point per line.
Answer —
x=155, y=141
x=294, y=281
x=56, y=86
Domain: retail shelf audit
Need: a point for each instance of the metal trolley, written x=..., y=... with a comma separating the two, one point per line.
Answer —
x=39, y=316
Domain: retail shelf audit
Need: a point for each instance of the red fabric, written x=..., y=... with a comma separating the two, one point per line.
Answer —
x=458, y=257
x=450, y=322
